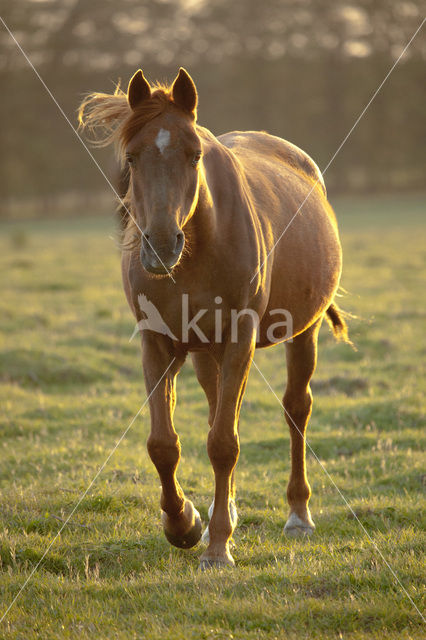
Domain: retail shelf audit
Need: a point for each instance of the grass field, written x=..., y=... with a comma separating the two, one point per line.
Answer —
x=71, y=383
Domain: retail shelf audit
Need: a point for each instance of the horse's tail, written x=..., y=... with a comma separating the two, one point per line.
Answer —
x=337, y=322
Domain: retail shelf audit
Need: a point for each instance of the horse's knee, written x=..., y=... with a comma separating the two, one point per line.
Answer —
x=164, y=451
x=223, y=450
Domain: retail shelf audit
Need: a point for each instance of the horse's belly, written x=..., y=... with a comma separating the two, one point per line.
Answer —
x=285, y=318
x=305, y=276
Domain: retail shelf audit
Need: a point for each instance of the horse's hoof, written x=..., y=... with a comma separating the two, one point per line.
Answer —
x=295, y=527
x=298, y=532
x=189, y=539
x=206, y=565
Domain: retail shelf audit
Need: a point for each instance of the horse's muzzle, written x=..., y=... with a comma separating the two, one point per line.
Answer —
x=161, y=259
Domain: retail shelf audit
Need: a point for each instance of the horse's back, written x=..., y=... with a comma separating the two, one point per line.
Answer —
x=267, y=148
x=304, y=250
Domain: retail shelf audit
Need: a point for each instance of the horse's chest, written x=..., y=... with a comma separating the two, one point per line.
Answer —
x=194, y=319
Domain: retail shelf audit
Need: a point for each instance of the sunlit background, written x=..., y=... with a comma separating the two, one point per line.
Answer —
x=301, y=69
x=82, y=553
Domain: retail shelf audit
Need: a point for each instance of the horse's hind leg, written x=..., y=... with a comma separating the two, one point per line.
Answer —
x=297, y=402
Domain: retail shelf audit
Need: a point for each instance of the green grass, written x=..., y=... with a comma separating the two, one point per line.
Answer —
x=71, y=383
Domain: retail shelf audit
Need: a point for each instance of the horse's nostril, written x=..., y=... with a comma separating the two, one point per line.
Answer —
x=145, y=241
x=179, y=241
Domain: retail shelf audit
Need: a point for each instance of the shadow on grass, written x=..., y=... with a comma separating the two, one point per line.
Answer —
x=111, y=558
x=340, y=384
x=35, y=368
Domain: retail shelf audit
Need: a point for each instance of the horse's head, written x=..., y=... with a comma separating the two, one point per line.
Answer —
x=163, y=154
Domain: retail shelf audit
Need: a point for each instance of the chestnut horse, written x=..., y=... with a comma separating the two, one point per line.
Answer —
x=206, y=224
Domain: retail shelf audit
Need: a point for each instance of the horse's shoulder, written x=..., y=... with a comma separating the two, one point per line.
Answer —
x=272, y=147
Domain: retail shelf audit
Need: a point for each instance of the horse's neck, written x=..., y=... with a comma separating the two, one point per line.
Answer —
x=203, y=223
x=221, y=186
x=224, y=228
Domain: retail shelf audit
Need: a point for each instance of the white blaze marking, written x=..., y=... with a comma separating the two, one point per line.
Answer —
x=162, y=139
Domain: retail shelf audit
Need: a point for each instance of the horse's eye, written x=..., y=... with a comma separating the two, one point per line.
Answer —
x=196, y=158
x=129, y=159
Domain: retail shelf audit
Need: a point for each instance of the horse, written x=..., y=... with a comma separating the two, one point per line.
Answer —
x=218, y=222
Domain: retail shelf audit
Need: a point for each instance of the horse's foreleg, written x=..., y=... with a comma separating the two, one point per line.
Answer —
x=181, y=522
x=297, y=402
x=207, y=372
x=223, y=446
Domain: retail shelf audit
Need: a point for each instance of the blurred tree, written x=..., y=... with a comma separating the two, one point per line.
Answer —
x=301, y=69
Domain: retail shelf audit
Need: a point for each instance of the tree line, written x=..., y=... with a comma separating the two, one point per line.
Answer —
x=300, y=69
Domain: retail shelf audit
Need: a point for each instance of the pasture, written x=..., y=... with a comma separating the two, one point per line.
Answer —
x=71, y=384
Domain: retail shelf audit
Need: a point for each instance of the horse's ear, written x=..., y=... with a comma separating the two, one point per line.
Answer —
x=184, y=92
x=138, y=90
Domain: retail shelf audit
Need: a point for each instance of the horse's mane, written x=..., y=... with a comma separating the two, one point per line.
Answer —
x=111, y=120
